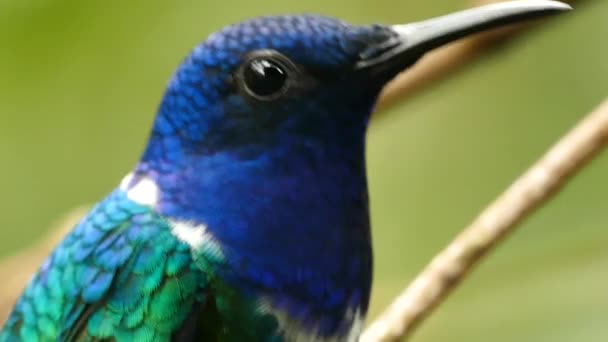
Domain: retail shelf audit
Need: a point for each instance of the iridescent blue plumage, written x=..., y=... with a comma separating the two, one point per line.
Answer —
x=108, y=277
x=246, y=218
x=290, y=175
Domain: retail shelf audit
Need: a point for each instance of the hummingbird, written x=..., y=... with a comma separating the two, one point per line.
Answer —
x=246, y=217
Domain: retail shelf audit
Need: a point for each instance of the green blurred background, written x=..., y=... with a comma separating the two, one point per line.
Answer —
x=80, y=81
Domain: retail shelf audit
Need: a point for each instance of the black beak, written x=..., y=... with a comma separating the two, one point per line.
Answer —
x=412, y=41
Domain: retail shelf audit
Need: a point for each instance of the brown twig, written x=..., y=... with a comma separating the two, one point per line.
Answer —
x=530, y=191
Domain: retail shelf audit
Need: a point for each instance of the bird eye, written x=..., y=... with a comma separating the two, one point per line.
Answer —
x=266, y=76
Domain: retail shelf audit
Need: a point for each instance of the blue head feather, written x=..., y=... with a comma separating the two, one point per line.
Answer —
x=280, y=184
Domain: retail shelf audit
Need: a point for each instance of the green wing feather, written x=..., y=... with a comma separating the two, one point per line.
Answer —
x=119, y=275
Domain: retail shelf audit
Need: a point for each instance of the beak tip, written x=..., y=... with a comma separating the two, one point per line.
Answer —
x=543, y=5
x=531, y=6
x=555, y=5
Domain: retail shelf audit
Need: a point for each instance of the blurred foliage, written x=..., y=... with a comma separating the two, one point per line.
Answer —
x=81, y=80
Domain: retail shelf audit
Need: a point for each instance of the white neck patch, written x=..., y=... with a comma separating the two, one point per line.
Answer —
x=293, y=332
x=144, y=191
x=196, y=236
x=356, y=327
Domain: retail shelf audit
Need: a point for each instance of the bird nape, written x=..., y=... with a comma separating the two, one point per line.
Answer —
x=246, y=218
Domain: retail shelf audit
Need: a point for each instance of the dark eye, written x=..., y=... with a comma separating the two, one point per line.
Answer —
x=266, y=75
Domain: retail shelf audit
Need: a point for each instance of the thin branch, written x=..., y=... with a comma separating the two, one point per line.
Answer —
x=530, y=191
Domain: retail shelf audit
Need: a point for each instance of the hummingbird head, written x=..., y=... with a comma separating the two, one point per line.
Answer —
x=272, y=80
